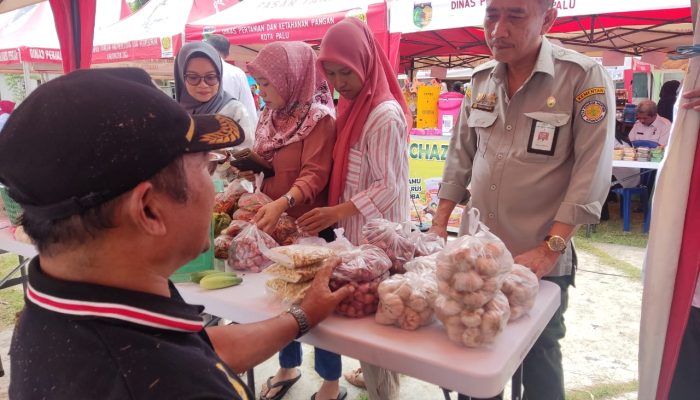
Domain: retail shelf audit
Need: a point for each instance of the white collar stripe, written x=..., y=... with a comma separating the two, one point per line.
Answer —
x=112, y=310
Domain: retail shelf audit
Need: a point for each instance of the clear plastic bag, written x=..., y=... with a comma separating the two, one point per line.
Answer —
x=286, y=231
x=427, y=243
x=235, y=227
x=227, y=201
x=393, y=238
x=406, y=300
x=247, y=250
x=364, y=267
x=251, y=202
x=473, y=328
x=520, y=287
x=471, y=269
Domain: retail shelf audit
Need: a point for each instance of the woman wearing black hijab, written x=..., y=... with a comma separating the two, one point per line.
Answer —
x=198, y=87
x=667, y=99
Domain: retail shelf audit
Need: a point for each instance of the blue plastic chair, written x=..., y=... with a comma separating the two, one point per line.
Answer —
x=645, y=143
x=626, y=205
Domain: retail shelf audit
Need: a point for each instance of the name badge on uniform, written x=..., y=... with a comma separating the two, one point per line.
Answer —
x=543, y=138
x=485, y=102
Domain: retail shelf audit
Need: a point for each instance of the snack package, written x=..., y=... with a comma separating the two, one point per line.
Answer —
x=227, y=201
x=473, y=328
x=520, y=287
x=288, y=291
x=294, y=275
x=246, y=251
x=286, y=231
x=393, y=239
x=406, y=300
x=471, y=269
x=299, y=255
x=364, y=267
x=426, y=243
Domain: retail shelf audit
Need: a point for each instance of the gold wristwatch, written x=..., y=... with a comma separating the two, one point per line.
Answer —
x=555, y=243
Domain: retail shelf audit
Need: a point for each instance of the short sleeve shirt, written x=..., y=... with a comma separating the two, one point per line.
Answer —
x=83, y=341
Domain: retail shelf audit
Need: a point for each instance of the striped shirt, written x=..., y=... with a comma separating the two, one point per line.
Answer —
x=377, y=181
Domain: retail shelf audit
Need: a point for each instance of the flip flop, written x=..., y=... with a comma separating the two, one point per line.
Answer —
x=355, y=378
x=342, y=394
x=283, y=385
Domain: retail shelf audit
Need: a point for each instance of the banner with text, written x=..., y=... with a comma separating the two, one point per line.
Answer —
x=416, y=15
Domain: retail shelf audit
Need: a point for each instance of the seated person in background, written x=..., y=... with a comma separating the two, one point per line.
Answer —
x=123, y=198
x=621, y=177
x=650, y=125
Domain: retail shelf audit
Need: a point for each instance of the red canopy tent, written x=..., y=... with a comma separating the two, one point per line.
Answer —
x=153, y=32
x=449, y=33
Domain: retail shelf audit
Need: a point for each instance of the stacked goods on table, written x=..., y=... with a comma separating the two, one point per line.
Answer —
x=657, y=154
x=643, y=154
x=294, y=268
x=629, y=154
x=618, y=153
x=471, y=271
x=241, y=243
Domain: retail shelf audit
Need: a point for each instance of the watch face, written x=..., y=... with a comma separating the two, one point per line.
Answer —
x=556, y=243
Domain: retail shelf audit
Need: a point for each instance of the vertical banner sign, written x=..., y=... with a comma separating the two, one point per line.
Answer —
x=426, y=161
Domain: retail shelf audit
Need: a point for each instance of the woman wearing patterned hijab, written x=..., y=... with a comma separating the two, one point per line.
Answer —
x=296, y=133
x=198, y=87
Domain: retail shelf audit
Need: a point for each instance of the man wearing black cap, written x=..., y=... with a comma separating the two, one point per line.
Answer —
x=113, y=177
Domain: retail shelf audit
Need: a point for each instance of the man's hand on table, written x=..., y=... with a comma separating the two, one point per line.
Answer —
x=319, y=301
x=541, y=260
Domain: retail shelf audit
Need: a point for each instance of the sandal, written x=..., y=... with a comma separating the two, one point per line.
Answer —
x=283, y=385
x=355, y=378
x=342, y=394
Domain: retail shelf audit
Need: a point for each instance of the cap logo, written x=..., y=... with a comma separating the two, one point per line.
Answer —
x=228, y=132
x=190, y=131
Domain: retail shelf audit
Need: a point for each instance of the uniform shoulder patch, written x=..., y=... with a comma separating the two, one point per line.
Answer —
x=593, y=111
x=589, y=92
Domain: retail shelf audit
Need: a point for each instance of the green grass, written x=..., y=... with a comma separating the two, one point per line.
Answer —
x=623, y=267
x=602, y=391
x=611, y=231
x=11, y=299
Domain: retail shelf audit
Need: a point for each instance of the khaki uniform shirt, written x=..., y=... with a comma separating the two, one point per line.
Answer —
x=542, y=156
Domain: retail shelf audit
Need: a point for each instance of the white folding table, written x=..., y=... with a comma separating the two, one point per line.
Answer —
x=425, y=354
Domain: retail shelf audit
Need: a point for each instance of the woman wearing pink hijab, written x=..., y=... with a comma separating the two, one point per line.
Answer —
x=370, y=159
x=296, y=133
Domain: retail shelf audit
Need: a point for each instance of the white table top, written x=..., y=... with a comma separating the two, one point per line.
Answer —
x=636, y=164
x=9, y=244
x=426, y=354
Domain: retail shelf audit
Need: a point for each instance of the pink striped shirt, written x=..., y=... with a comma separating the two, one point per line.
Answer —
x=377, y=181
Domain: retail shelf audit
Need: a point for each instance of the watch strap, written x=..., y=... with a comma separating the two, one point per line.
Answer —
x=300, y=316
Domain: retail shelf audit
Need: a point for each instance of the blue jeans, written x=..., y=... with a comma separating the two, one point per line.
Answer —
x=327, y=364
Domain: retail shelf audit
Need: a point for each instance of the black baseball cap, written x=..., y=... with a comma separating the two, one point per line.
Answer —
x=88, y=136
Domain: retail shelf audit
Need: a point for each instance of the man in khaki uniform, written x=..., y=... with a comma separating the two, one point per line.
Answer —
x=535, y=142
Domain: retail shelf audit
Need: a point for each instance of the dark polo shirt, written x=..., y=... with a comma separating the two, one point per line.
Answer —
x=83, y=341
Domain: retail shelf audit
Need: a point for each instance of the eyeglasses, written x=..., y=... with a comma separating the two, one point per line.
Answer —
x=195, y=79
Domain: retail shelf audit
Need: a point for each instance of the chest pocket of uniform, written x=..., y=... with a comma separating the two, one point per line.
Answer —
x=560, y=141
x=482, y=122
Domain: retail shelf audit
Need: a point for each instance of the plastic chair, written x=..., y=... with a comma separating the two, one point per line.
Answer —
x=626, y=205
x=645, y=143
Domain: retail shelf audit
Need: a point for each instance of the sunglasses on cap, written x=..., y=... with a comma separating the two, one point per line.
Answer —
x=195, y=79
